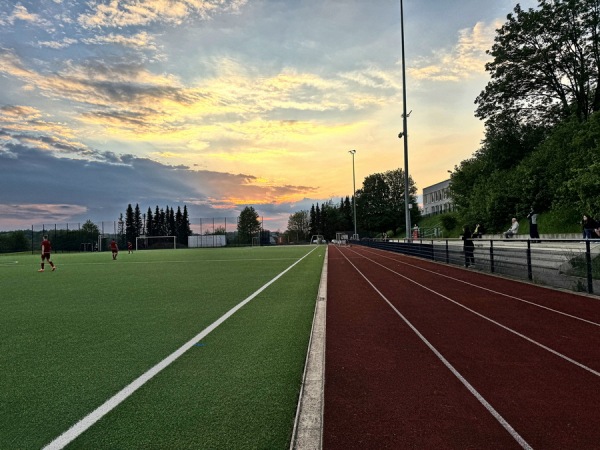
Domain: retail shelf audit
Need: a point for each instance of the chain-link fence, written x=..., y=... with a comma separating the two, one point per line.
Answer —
x=96, y=236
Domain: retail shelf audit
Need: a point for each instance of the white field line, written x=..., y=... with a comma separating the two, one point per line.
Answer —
x=510, y=330
x=516, y=436
x=492, y=291
x=89, y=420
x=120, y=261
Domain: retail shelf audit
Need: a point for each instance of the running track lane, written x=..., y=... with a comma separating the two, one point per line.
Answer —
x=538, y=367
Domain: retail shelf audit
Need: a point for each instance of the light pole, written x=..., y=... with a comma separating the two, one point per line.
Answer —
x=353, y=152
x=405, y=131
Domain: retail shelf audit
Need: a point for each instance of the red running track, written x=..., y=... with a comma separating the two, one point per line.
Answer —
x=429, y=356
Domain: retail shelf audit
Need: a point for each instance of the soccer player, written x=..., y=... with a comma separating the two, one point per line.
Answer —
x=129, y=247
x=114, y=248
x=46, y=249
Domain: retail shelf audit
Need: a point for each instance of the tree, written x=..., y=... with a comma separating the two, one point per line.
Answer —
x=372, y=202
x=248, y=224
x=380, y=202
x=130, y=231
x=149, y=223
x=545, y=64
x=184, y=230
x=137, y=221
x=299, y=225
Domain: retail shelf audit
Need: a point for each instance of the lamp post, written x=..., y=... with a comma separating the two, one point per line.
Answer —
x=404, y=130
x=353, y=152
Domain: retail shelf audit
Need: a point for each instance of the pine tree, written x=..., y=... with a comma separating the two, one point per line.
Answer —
x=137, y=221
x=130, y=232
x=149, y=223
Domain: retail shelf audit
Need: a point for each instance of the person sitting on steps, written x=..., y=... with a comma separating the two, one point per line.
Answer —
x=513, y=230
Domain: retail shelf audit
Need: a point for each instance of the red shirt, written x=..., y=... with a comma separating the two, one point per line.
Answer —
x=113, y=246
x=46, y=246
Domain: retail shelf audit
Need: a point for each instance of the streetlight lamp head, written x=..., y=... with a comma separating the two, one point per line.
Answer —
x=400, y=135
x=352, y=151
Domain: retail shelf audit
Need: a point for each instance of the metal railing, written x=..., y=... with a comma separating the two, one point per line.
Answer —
x=560, y=263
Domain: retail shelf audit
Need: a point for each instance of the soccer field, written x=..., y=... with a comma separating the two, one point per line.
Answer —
x=72, y=339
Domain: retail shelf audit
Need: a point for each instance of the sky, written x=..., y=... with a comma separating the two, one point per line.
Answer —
x=223, y=104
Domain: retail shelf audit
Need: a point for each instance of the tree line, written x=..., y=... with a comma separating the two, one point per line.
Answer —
x=541, y=109
x=379, y=210
x=161, y=222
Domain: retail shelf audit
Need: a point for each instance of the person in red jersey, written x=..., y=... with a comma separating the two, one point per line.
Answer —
x=46, y=250
x=114, y=248
x=129, y=247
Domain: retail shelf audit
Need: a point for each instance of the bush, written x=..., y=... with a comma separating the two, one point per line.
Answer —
x=448, y=221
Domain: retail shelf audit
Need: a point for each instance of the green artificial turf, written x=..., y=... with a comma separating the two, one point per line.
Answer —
x=71, y=339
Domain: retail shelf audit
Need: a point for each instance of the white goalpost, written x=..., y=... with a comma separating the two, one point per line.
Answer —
x=156, y=242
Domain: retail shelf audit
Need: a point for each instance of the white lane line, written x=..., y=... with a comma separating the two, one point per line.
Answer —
x=492, y=291
x=516, y=436
x=539, y=344
x=89, y=420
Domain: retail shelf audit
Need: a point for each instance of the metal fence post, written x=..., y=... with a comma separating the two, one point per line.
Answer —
x=447, y=253
x=588, y=262
x=529, y=269
x=491, y=256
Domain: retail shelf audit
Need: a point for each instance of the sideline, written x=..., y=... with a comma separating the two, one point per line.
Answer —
x=308, y=426
x=89, y=420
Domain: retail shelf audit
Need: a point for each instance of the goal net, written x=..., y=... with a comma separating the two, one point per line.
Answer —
x=155, y=242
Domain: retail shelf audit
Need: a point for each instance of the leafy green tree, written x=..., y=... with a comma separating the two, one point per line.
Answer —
x=545, y=64
x=299, y=225
x=248, y=224
x=13, y=241
x=372, y=203
x=380, y=202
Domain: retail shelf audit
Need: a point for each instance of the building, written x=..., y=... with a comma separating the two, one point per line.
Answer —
x=436, y=199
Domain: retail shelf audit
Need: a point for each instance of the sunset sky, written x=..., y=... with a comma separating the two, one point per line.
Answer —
x=222, y=104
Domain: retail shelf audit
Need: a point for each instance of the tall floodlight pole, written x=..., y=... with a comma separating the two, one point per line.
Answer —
x=405, y=131
x=353, y=152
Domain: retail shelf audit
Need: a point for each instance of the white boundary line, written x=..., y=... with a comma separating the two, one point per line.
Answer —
x=488, y=289
x=516, y=436
x=89, y=420
x=510, y=330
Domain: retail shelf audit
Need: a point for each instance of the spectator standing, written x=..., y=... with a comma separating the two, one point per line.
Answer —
x=468, y=246
x=589, y=225
x=533, y=228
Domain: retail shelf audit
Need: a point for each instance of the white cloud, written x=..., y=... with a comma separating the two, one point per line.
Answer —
x=463, y=61
x=123, y=13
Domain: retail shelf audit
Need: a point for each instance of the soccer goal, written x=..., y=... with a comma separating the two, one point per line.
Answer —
x=317, y=239
x=156, y=242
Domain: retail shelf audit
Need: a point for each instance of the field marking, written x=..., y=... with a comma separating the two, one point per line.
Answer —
x=510, y=330
x=89, y=420
x=515, y=435
x=491, y=290
x=192, y=261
